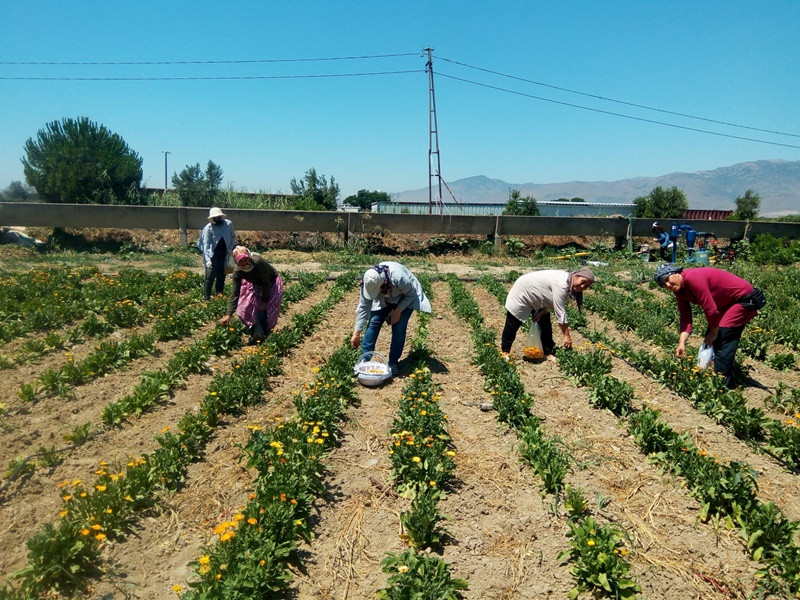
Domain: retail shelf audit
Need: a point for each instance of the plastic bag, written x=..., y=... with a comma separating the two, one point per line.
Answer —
x=704, y=356
x=534, y=349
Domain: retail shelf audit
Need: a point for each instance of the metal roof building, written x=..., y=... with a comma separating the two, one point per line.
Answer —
x=547, y=209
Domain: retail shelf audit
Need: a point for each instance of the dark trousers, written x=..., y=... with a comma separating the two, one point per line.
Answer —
x=725, y=349
x=216, y=274
x=512, y=327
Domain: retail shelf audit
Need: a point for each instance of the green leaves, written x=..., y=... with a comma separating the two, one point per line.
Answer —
x=77, y=160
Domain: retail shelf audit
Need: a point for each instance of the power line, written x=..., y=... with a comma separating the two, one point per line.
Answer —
x=205, y=62
x=615, y=114
x=214, y=78
x=661, y=110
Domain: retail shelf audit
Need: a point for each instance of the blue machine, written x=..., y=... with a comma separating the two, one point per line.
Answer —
x=691, y=235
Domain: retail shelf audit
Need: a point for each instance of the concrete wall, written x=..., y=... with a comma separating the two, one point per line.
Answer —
x=183, y=218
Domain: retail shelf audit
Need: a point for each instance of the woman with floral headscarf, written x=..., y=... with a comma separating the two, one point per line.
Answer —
x=256, y=293
x=728, y=302
x=539, y=292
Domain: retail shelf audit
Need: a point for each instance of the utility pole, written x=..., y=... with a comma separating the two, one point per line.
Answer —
x=165, y=168
x=433, y=139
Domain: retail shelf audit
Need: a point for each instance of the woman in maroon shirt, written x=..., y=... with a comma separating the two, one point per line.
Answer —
x=726, y=300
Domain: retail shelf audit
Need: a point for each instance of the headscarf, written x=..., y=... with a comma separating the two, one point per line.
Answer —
x=240, y=253
x=582, y=272
x=664, y=271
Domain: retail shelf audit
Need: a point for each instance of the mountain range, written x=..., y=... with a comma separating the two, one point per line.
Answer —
x=776, y=181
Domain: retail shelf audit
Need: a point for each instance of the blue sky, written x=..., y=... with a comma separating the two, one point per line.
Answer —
x=731, y=61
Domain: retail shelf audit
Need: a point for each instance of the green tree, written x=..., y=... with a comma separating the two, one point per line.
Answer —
x=746, y=207
x=313, y=192
x=517, y=205
x=661, y=204
x=364, y=199
x=577, y=199
x=17, y=192
x=77, y=160
x=198, y=188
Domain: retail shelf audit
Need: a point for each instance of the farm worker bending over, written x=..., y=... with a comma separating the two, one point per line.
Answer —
x=217, y=239
x=728, y=302
x=663, y=239
x=256, y=294
x=389, y=292
x=538, y=293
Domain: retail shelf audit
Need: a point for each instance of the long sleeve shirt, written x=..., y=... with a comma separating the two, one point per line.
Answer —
x=547, y=289
x=406, y=291
x=263, y=274
x=211, y=235
x=717, y=292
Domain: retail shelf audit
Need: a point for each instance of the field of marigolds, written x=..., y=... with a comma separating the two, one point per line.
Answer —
x=148, y=452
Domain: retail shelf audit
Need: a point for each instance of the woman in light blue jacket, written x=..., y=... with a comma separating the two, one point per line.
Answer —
x=217, y=240
x=389, y=292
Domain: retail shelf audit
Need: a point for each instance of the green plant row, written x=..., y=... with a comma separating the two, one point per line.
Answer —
x=62, y=557
x=421, y=454
x=596, y=553
x=157, y=386
x=545, y=454
x=46, y=299
x=254, y=550
x=727, y=493
x=104, y=358
x=708, y=392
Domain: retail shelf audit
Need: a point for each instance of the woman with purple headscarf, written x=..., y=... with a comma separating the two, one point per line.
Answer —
x=539, y=292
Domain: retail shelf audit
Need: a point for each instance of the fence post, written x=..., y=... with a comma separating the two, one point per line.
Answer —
x=498, y=239
x=182, y=225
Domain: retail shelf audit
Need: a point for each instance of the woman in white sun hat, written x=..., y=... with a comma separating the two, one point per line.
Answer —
x=217, y=240
x=389, y=292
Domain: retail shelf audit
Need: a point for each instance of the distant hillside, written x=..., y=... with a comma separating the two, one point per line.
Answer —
x=776, y=181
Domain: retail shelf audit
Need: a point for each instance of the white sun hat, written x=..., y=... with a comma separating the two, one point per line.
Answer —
x=215, y=212
x=372, y=284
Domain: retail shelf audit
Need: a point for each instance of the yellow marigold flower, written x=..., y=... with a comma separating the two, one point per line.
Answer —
x=590, y=543
x=416, y=459
x=128, y=498
x=85, y=532
x=66, y=498
x=450, y=453
x=109, y=511
x=176, y=588
x=76, y=482
x=319, y=441
x=100, y=537
x=298, y=522
x=226, y=536
x=96, y=527
x=83, y=494
x=402, y=569
x=63, y=513
x=252, y=520
x=204, y=560
x=100, y=488
x=204, y=569
x=165, y=430
x=238, y=517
